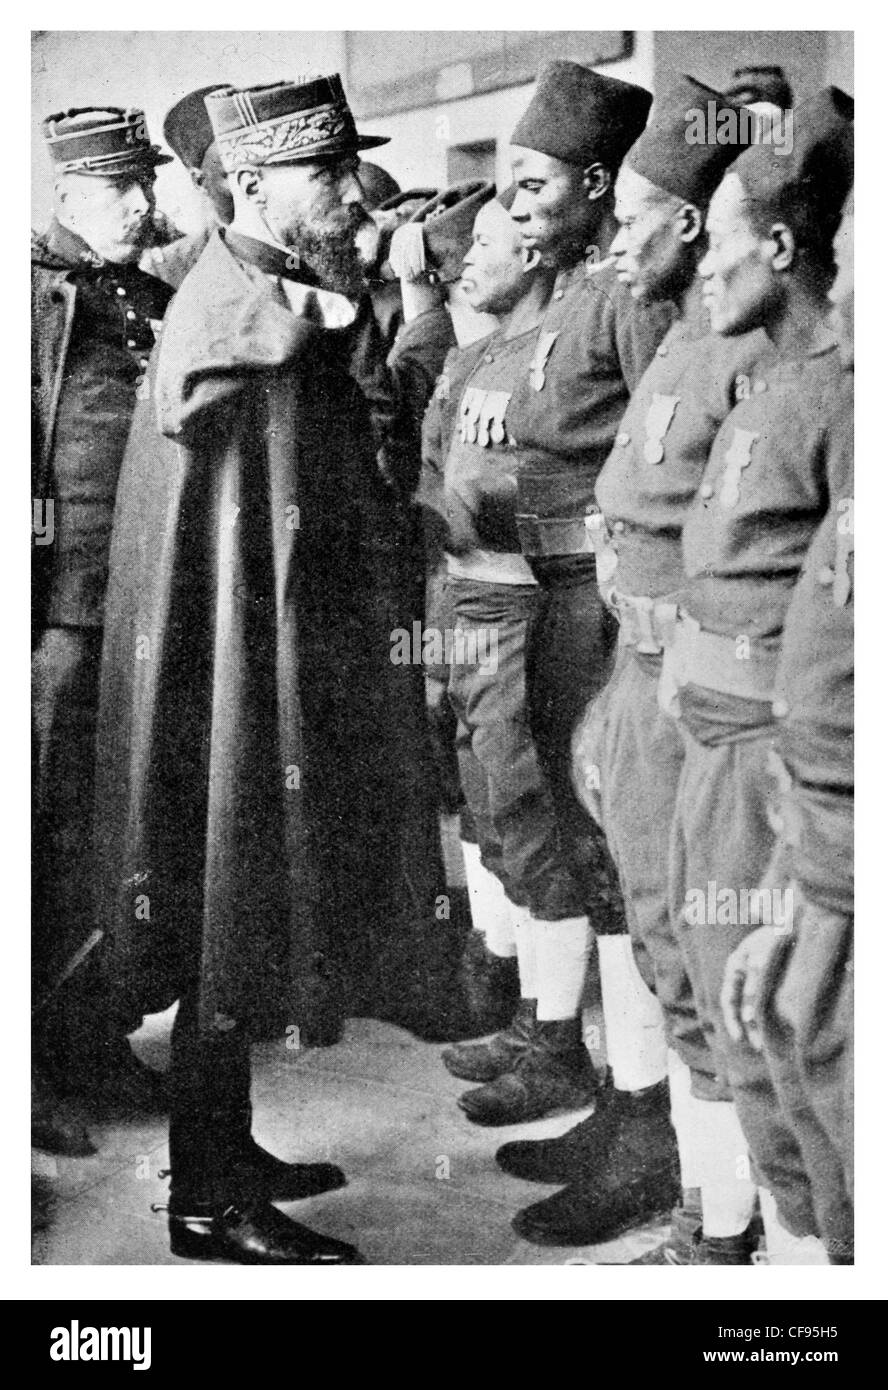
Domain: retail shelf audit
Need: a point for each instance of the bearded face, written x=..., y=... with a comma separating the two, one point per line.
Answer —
x=317, y=211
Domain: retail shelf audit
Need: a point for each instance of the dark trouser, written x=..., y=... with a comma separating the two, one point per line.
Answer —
x=570, y=656
x=806, y=1008
x=723, y=848
x=210, y=1111
x=632, y=753
x=78, y=1020
x=503, y=779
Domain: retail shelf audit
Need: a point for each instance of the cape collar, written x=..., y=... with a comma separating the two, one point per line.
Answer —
x=324, y=307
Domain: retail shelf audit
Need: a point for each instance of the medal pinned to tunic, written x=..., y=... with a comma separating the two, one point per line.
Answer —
x=842, y=580
x=470, y=411
x=545, y=344
x=491, y=427
x=659, y=418
x=738, y=457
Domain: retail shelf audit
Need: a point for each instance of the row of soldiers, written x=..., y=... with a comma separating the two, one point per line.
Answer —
x=635, y=470
x=658, y=431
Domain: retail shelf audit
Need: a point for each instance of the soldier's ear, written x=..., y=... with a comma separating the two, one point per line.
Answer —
x=690, y=223
x=596, y=181
x=249, y=181
x=782, y=246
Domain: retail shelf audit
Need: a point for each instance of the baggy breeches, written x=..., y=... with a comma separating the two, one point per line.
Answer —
x=723, y=843
x=629, y=756
x=503, y=778
x=807, y=1025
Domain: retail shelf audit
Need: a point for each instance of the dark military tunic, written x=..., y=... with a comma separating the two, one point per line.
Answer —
x=629, y=753
x=94, y=327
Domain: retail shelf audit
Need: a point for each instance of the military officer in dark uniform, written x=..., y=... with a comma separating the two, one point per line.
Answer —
x=628, y=751
x=187, y=131
x=793, y=994
x=776, y=462
x=95, y=320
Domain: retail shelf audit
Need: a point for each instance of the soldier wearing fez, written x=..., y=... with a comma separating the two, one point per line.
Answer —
x=242, y=745
x=95, y=319
x=628, y=752
x=777, y=464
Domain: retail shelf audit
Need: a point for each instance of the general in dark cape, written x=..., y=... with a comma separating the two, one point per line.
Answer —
x=265, y=806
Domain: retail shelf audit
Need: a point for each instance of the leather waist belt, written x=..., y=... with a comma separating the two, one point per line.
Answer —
x=646, y=624
x=740, y=666
x=491, y=567
x=555, y=535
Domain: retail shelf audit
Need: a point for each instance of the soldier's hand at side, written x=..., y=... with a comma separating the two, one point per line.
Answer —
x=741, y=987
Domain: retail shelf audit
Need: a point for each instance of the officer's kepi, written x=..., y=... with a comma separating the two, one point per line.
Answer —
x=285, y=123
x=666, y=157
x=105, y=141
x=582, y=117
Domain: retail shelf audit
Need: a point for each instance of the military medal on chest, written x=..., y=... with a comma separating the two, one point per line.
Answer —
x=738, y=457
x=659, y=418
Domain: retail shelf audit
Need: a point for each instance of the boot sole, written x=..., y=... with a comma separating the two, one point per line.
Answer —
x=504, y=1121
x=660, y=1211
x=188, y=1246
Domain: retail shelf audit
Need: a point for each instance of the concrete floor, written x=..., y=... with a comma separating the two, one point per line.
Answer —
x=422, y=1184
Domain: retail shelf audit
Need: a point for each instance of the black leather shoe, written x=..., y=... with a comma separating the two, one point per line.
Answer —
x=593, y=1213
x=260, y=1174
x=485, y=1061
x=552, y=1074
x=622, y=1121
x=254, y=1234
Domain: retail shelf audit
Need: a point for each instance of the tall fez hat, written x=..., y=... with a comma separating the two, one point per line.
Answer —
x=579, y=116
x=103, y=140
x=285, y=123
x=750, y=85
x=187, y=129
x=665, y=156
x=819, y=169
x=447, y=221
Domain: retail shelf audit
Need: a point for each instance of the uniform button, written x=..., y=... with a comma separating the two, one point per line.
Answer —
x=488, y=357
x=826, y=576
x=121, y=290
x=780, y=709
x=619, y=526
x=143, y=361
x=513, y=442
x=707, y=490
x=131, y=342
x=559, y=294
x=623, y=439
x=131, y=313
x=662, y=350
x=759, y=387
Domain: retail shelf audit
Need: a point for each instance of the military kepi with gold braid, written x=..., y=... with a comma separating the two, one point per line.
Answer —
x=106, y=141
x=285, y=123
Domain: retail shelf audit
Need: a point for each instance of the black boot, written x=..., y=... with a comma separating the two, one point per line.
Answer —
x=261, y=1175
x=488, y=984
x=553, y=1074
x=485, y=1061
x=621, y=1119
x=639, y=1183
x=252, y=1233
x=686, y=1246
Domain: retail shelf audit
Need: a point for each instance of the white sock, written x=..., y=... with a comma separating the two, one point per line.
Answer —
x=682, y=1119
x=562, y=954
x=526, y=946
x=783, y=1248
x=635, y=1037
x=726, y=1189
x=492, y=913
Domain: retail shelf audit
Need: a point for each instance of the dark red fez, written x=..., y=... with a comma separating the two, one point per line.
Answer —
x=668, y=156
x=581, y=117
x=818, y=172
x=187, y=129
